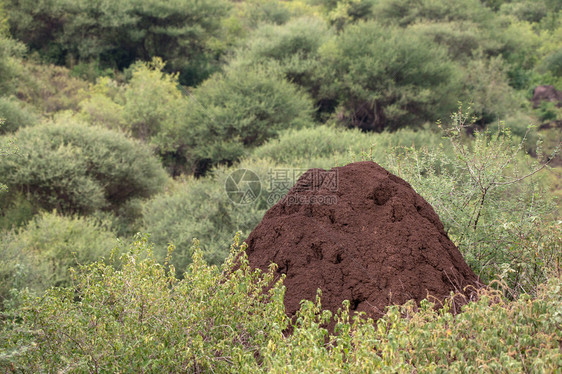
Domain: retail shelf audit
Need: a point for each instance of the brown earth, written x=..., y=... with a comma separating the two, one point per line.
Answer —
x=358, y=233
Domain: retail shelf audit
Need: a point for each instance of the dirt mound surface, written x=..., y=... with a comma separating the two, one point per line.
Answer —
x=358, y=233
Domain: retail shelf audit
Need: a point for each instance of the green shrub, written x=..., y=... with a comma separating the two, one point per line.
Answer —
x=75, y=168
x=293, y=47
x=487, y=89
x=104, y=105
x=15, y=115
x=201, y=208
x=325, y=146
x=490, y=335
x=142, y=318
x=387, y=77
x=230, y=113
x=138, y=316
x=152, y=100
x=148, y=103
x=40, y=254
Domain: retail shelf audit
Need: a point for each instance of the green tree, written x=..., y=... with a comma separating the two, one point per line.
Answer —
x=115, y=34
x=149, y=102
x=230, y=113
x=292, y=49
x=387, y=77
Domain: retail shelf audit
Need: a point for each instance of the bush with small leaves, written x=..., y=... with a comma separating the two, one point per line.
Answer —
x=76, y=168
x=15, y=115
x=487, y=88
x=138, y=316
x=201, y=208
x=40, y=255
x=386, y=78
x=489, y=335
x=489, y=204
x=147, y=103
x=231, y=113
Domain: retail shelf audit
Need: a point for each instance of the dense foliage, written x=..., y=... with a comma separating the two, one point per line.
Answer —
x=41, y=254
x=386, y=76
x=76, y=168
x=113, y=34
x=149, y=103
x=232, y=112
x=119, y=117
x=140, y=317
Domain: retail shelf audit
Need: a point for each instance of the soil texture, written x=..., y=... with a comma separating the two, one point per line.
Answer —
x=358, y=233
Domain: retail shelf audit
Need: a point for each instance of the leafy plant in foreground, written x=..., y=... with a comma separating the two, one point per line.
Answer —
x=140, y=317
x=137, y=316
x=40, y=255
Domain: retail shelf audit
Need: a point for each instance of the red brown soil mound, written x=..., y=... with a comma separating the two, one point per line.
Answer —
x=361, y=234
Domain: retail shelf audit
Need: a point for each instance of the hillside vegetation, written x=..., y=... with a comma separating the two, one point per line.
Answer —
x=122, y=123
